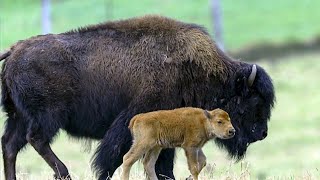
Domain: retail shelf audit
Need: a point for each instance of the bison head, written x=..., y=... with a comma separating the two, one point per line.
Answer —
x=249, y=108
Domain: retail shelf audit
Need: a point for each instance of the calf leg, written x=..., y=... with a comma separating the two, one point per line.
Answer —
x=149, y=162
x=202, y=160
x=196, y=161
x=117, y=140
x=12, y=141
x=135, y=153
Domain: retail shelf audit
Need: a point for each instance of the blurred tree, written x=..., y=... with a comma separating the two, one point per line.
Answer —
x=46, y=20
x=217, y=22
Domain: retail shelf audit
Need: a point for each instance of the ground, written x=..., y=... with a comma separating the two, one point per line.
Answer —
x=290, y=150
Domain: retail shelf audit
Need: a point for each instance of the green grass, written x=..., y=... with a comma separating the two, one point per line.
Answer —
x=245, y=22
x=291, y=150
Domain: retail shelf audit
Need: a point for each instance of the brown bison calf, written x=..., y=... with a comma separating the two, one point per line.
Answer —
x=189, y=128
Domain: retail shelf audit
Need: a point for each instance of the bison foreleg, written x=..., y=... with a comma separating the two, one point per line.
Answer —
x=164, y=164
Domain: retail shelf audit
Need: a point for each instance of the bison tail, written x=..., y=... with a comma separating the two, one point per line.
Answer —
x=5, y=54
x=116, y=142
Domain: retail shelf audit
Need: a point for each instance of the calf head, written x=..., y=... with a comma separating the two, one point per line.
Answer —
x=220, y=123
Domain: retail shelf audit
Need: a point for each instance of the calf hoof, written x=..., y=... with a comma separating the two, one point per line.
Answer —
x=59, y=177
x=189, y=178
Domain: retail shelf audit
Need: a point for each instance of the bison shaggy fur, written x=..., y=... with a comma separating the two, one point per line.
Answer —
x=91, y=81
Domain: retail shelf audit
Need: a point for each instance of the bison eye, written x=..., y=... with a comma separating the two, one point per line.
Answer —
x=254, y=127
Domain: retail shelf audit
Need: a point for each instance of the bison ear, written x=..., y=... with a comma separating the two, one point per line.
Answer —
x=207, y=114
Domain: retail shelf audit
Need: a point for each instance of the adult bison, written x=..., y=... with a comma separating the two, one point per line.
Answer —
x=90, y=82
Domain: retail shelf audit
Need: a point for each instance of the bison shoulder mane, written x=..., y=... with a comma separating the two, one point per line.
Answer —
x=178, y=42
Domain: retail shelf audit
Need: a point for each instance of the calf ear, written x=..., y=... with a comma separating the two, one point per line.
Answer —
x=207, y=114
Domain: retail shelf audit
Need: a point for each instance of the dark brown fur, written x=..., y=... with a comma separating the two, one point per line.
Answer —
x=92, y=81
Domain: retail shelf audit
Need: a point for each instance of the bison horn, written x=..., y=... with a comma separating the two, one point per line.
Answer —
x=252, y=75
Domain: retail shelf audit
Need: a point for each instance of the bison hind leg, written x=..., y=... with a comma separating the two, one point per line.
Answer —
x=40, y=133
x=12, y=141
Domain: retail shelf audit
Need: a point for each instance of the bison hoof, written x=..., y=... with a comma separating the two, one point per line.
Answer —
x=189, y=178
x=59, y=177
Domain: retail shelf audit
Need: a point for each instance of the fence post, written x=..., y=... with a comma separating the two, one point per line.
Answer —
x=46, y=20
x=216, y=14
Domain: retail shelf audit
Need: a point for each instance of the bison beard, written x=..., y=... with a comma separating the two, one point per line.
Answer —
x=92, y=81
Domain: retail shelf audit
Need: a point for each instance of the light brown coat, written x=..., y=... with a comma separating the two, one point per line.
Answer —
x=189, y=128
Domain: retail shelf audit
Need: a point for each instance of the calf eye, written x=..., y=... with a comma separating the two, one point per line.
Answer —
x=219, y=122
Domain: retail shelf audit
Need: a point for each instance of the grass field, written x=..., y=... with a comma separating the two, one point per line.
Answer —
x=245, y=22
x=291, y=150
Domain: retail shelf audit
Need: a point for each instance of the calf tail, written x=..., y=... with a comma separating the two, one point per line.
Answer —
x=5, y=54
x=132, y=122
